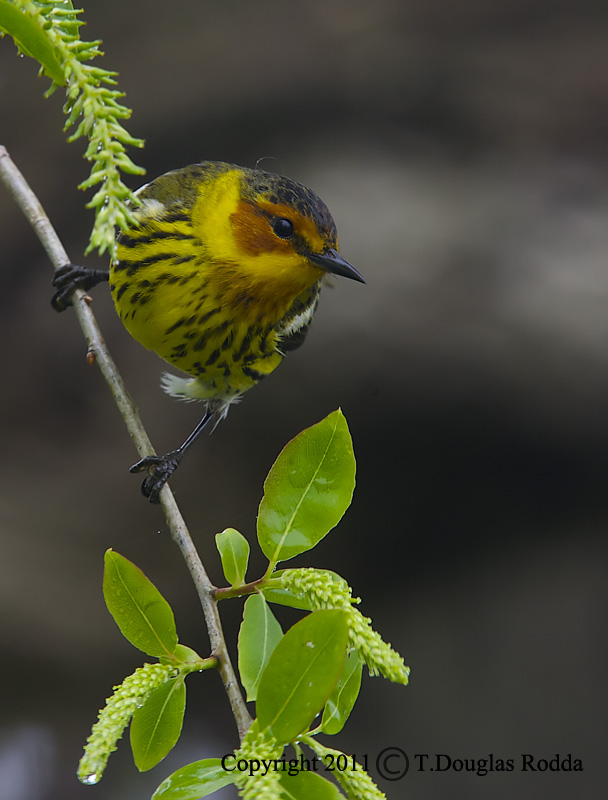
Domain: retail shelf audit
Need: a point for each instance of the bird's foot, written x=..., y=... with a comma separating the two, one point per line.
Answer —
x=159, y=469
x=71, y=277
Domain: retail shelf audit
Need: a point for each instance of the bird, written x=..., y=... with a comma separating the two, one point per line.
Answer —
x=220, y=276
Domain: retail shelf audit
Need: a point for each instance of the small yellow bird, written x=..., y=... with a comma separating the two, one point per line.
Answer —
x=220, y=277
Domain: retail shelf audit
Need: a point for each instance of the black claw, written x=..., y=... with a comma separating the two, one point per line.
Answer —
x=71, y=277
x=151, y=491
x=160, y=469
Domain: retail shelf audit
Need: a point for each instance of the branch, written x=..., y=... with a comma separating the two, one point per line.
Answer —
x=33, y=211
x=238, y=591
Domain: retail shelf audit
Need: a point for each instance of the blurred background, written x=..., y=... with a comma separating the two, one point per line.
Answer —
x=462, y=151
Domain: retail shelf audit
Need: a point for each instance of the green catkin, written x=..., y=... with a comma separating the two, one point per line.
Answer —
x=258, y=746
x=324, y=589
x=356, y=783
x=115, y=716
x=89, y=97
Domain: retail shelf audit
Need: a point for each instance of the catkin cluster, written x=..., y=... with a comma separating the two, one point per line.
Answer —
x=325, y=589
x=259, y=746
x=356, y=783
x=115, y=716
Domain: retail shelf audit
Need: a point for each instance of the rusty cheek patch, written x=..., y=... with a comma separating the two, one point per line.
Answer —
x=304, y=226
x=251, y=223
x=252, y=230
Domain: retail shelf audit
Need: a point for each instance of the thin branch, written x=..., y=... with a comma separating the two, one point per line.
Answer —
x=29, y=204
x=227, y=592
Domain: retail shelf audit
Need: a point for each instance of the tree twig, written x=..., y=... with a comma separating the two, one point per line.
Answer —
x=35, y=214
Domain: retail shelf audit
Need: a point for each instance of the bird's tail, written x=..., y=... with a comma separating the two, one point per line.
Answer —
x=192, y=389
x=188, y=389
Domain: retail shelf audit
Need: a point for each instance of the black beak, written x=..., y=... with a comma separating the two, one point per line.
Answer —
x=332, y=261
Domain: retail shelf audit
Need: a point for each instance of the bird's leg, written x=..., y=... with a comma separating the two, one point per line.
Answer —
x=160, y=468
x=71, y=277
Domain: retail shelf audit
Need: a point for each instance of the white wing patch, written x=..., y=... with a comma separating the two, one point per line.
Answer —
x=150, y=208
x=301, y=320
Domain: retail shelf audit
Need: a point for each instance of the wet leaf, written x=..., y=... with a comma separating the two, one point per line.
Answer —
x=156, y=726
x=308, y=489
x=259, y=634
x=301, y=674
x=139, y=609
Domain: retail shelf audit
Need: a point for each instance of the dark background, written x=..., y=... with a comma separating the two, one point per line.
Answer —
x=462, y=150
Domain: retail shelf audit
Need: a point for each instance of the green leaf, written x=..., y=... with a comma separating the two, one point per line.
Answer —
x=259, y=634
x=308, y=786
x=308, y=489
x=156, y=726
x=234, y=552
x=139, y=609
x=301, y=674
x=185, y=655
x=340, y=704
x=31, y=39
x=193, y=781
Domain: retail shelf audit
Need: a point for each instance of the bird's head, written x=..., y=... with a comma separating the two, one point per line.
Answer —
x=271, y=234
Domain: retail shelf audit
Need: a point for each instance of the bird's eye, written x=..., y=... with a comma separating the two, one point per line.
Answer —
x=283, y=228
